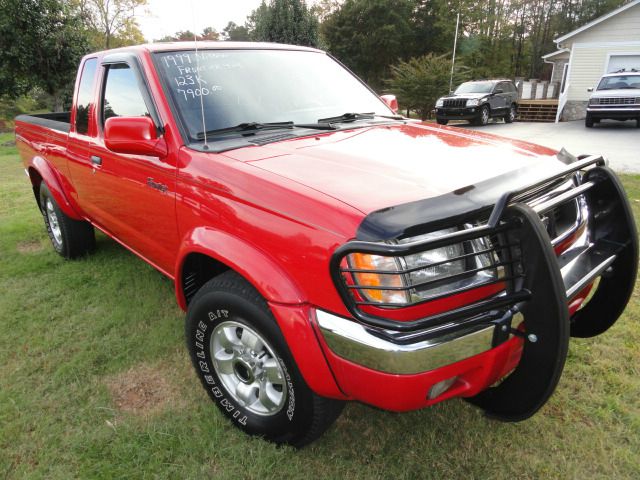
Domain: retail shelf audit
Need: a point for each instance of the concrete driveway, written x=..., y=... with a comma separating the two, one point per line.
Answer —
x=617, y=141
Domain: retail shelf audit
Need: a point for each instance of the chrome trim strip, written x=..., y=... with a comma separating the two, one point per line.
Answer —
x=590, y=277
x=352, y=341
x=547, y=205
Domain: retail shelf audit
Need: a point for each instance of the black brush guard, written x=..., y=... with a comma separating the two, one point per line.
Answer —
x=538, y=283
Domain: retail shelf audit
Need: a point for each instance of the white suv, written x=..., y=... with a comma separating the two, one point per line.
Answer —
x=617, y=97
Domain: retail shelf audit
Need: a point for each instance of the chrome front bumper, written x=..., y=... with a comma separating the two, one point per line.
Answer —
x=358, y=344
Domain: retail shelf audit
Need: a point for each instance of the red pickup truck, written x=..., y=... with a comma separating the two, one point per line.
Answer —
x=324, y=248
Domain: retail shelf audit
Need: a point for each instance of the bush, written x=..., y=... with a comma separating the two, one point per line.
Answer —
x=420, y=81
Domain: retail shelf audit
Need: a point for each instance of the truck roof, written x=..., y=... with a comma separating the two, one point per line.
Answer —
x=208, y=45
x=622, y=72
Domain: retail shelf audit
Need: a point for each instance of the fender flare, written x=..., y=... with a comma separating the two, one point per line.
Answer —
x=286, y=300
x=255, y=266
x=40, y=167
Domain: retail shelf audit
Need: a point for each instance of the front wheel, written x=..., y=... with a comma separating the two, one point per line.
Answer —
x=244, y=364
x=483, y=117
x=442, y=121
x=588, y=121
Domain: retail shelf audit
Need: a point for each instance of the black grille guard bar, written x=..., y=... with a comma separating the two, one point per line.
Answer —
x=591, y=263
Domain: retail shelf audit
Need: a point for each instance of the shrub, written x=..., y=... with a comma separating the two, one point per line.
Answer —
x=420, y=81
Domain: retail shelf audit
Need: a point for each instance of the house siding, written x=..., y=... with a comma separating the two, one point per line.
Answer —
x=588, y=65
x=623, y=27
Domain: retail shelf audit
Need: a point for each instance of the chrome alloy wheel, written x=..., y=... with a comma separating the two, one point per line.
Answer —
x=248, y=368
x=52, y=217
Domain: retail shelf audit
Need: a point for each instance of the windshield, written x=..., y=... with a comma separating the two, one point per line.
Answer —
x=475, y=87
x=262, y=86
x=619, y=82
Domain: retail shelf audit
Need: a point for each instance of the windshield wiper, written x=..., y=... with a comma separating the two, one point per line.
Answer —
x=352, y=117
x=252, y=127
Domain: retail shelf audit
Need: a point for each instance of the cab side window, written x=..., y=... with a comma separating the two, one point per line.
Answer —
x=122, y=96
x=85, y=95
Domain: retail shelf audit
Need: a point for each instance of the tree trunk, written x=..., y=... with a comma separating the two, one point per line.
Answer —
x=58, y=102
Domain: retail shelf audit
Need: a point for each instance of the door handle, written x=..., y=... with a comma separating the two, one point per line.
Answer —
x=96, y=160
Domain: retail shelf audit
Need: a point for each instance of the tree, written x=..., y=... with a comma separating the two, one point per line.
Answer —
x=236, y=33
x=370, y=35
x=323, y=8
x=42, y=43
x=113, y=21
x=284, y=21
x=208, y=33
x=419, y=82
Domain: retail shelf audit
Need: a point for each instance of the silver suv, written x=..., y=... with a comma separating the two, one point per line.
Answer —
x=617, y=97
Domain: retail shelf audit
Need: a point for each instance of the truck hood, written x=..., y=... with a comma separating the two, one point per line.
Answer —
x=621, y=92
x=466, y=95
x=382, y=166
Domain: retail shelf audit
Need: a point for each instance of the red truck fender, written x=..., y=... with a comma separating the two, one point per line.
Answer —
x=285, y=299
x=254, y=265
x=40, y=171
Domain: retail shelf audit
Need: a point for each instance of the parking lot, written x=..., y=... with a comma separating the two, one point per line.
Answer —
x=618, y=141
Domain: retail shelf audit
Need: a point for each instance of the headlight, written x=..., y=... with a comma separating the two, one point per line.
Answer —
x=425, y=275
x=373, y=264
x=439, y=102
x=473, y=102
x=594, y=101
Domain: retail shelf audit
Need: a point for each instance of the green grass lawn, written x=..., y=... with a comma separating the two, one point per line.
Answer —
x=95, y=382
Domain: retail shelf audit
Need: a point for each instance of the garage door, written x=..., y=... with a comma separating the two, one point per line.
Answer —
x=618, y=62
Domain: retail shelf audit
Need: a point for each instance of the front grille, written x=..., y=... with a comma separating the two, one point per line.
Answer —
x=455, y=103
x=617, y=100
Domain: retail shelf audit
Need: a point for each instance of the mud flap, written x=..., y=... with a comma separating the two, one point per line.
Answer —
x=613, y=220
x=546, y=316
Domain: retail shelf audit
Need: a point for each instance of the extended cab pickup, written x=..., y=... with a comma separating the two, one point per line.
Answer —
x=324, y=248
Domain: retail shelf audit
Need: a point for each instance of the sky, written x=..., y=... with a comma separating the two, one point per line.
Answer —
x=166, y=17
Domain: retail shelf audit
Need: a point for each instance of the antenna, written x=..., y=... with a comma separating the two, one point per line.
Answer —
x=453, y=60
x=195, y=40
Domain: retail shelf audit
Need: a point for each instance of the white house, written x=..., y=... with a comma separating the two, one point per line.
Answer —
x=607, y=44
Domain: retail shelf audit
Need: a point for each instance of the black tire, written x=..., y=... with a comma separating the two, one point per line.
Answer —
x=637, y=122
x=229, y=306
x=70, y=238
x=442, y=121
x=588, y=121
x=483, y=116
x=511, y=116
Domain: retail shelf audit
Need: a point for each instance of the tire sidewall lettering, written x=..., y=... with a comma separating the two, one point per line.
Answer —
x=205, y=368
x=291, y=397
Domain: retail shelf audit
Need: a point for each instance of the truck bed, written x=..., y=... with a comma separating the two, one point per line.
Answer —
x=60, y=121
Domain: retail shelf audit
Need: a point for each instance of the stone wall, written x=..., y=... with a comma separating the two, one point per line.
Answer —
x=574, y=110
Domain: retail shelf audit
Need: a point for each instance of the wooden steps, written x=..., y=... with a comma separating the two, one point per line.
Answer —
x=537, y=110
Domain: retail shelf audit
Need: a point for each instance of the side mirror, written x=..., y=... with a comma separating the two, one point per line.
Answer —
x=391, y=101
x=590, y=89
x=133, y=136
